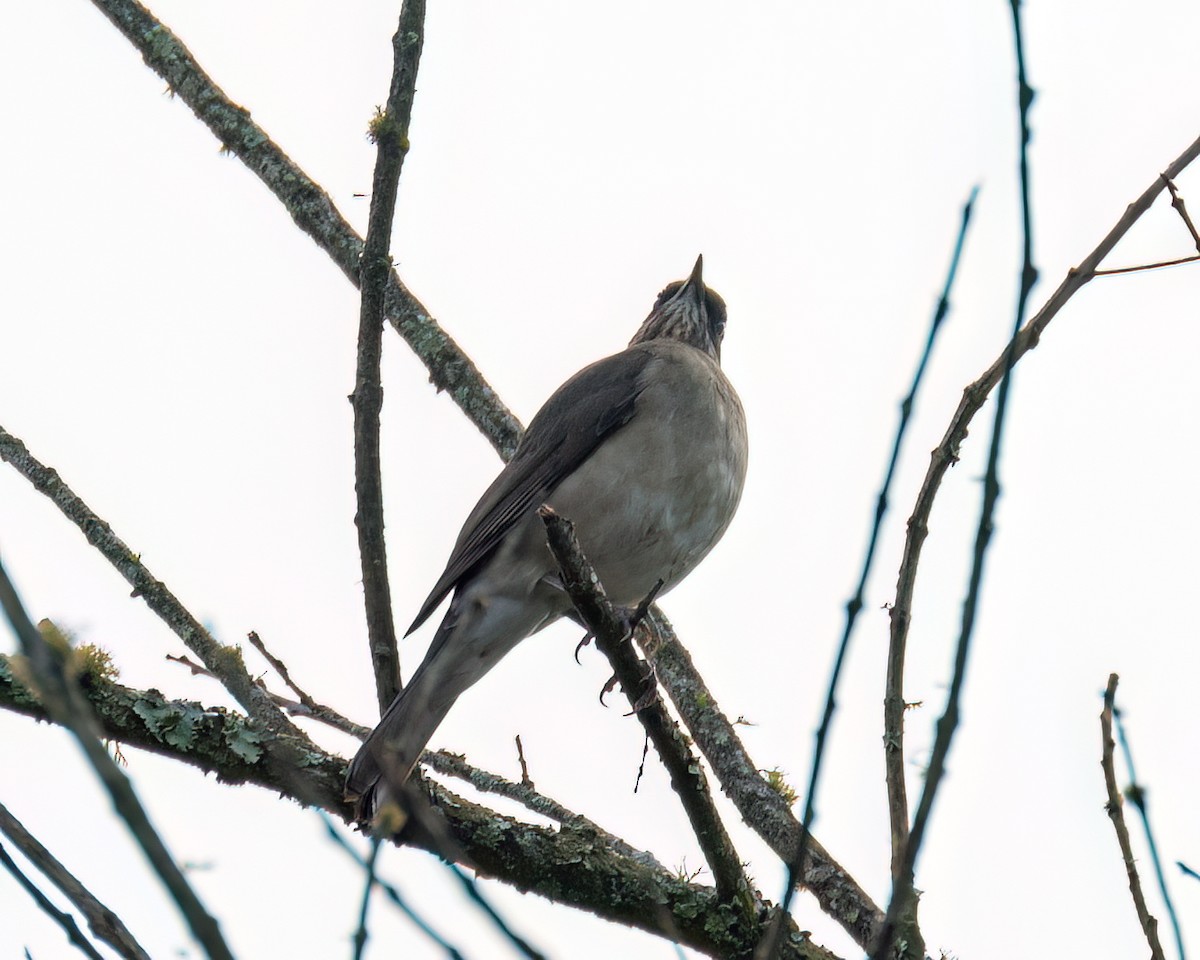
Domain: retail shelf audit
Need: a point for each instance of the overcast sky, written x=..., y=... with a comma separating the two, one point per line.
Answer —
x=182, y=354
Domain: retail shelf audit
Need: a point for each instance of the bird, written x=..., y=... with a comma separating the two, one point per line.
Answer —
x=645, y=451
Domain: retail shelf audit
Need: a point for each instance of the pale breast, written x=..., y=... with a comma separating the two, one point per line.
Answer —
x=655, y=498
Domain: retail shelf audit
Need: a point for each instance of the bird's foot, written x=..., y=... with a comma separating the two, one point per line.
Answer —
x=608, y=687
x=635, y=616
x=630, y=618
x=649, y=694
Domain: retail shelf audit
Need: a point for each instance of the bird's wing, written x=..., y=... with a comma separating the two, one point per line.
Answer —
x=592, y=405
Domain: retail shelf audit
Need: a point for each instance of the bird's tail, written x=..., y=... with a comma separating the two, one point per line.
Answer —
x=472, y=638
x=390, y=753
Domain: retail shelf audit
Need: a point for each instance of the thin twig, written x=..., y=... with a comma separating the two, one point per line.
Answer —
x=67, y=705
x=1181, y=209
x=390, y=891
x=526, y=780
x=308, y=706
x=1115, y=808
x=894, y=705
x=389, y=130
x=1140, y=268
x=46, y=905
x=224, y=662
x=294, y=708
x=686, y=773
x=894, y=697
x=313, y=212
x=103, y=922
x=361, y=934
x=946, y=452
x=471, y=889
x=1136, y=794
x=901, y=916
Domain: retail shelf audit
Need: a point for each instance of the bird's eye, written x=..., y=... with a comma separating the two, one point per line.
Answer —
x=716, y=315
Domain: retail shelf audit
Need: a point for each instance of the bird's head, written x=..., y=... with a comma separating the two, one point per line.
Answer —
x=688, y=311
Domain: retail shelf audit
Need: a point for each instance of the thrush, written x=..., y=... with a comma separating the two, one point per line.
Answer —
x=644, y=450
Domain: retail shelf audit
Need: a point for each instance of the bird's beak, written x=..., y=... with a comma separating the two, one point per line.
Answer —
x=694, y=285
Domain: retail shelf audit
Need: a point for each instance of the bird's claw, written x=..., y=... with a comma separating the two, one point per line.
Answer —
x=649, y=695
x=607, y=689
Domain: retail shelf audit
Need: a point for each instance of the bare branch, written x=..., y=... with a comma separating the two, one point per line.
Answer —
x=103, y=923
x=390, y=132
x=224, y=662
x=1136, y=794
x=391, y=892
x=361, y=933
x=1181, y=209
x=900, y=924
x=66, y=705
x=896, y=794
x=894, y=695
x=46, y=905
x=946, y=453
x=894, y=705
x=526, y=780
x=515, y=940
x=304, y=707
x=686, y=773
x=1143, y=267
x=1115, y=808
x=310, y=207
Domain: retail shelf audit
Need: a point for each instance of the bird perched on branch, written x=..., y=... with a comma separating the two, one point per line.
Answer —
x=645, y=451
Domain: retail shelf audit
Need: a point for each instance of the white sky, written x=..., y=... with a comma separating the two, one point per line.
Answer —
x=182, y=354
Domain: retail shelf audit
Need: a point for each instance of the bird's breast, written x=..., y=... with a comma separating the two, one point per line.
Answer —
x=656, y=496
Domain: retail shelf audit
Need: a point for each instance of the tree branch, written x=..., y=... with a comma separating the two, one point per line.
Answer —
x=389, y=130
x=900, y=925
x=893, y=697
x=683, y=767
x=224, y=662
x=103, y=923
x=66, y=705
x=1181, y=209
x=390, y=891
x=307, y=705
x=573, y=864
x=946, y=452
x=1115, y=808
x=894, y=704
x=313, y=212
x=46, y=905
x=1136, y=794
